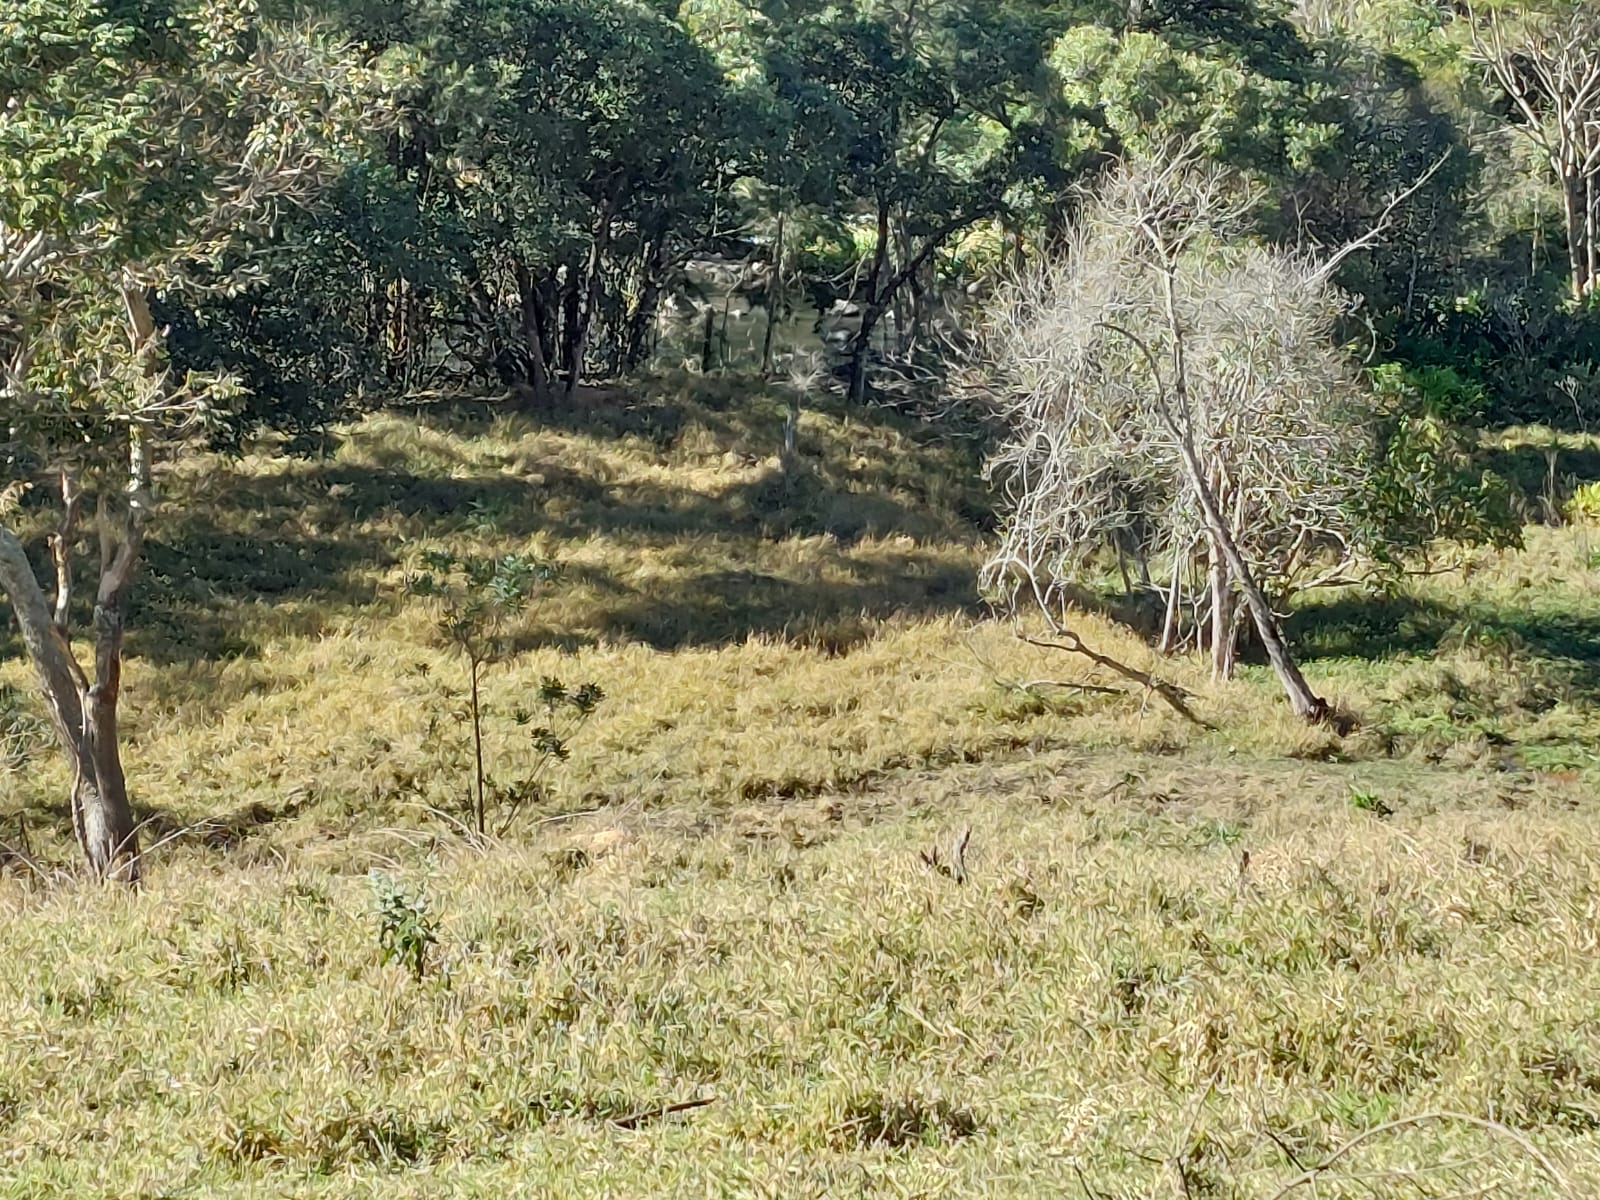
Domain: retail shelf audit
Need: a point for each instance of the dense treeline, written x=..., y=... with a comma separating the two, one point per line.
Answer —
x=220, y=217
x=548, y=173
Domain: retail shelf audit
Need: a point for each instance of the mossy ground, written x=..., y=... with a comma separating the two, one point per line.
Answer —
x=726, y=900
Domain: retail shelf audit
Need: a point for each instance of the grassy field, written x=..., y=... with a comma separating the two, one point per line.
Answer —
x=1181, y=962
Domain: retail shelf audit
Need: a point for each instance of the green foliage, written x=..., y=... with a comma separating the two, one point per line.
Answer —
x=407, y=932
x=1432, y=391
x=1151, y=89
x=1584, y=503
x=1369, y=802
x=475, y=599
x=1423, y=483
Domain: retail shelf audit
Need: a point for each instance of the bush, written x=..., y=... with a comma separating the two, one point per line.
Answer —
x=1424, y=483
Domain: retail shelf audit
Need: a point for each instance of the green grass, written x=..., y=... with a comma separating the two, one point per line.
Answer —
x=1184, y=962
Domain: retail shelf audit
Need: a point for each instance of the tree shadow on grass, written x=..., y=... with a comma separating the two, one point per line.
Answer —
x=727, y=607
x=215, y=572
x=1377, y=628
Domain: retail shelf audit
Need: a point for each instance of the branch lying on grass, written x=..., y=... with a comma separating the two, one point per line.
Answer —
x=634, y=1120
x=1172, y=694
x=1094, y=689
x=1310, y=1175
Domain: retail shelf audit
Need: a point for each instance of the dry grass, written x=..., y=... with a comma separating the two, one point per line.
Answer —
x=1104, y=995
x=726, y=899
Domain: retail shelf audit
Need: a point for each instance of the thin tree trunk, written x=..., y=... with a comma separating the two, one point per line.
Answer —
x=1576, y=222
x=481, y=806
x=532, y=337
x=1169, y=624
x=103, y=823
x=571, y=319
x=643, y=320
x=589, y=299
x=874, y=308
x=1223, y=625
x=774, y=300
x=708, y=341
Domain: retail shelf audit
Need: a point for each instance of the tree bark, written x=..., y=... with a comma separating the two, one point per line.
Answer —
x=775, y=299
x=588, y=297
x=1223, y=626
x=873, y=309
x=101, y=818
x=533, y=344
x=642, y=322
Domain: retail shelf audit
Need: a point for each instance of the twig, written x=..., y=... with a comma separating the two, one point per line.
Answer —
x=1173, y=695
x=1067, y=684
x=634, y=1120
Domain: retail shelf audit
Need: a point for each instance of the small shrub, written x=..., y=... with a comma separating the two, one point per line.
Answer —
x=406, y=930
x=1369, y=802
x=1424, y=484
x=475, y=600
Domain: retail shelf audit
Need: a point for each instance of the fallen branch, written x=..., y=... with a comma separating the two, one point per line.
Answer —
x=1066, y=684
x=1172, y=694
x=634, y=1120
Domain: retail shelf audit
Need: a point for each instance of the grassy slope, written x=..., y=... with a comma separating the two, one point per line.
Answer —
x=804, y=699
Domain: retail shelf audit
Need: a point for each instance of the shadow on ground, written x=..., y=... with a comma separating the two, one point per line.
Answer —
x=255, y=555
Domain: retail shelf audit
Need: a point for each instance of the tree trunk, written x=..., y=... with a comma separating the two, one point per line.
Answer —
x=533, y=344
x=708, y=341
x=1224, y=641
x=571, y=317
x=1306, y=703
x=1169, y=623
x=642, y=323
x=874, y=308
x=775, y=300
x=1574, y=211
x=589, y=299
x=84, y=718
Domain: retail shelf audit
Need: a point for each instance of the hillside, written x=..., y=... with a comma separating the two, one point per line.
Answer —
x=1183, y=962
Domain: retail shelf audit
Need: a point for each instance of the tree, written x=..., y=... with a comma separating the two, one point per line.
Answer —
x=136, y=142
x=1545, y=56
x=927, y=117
x=1174, y=389
x=563, y=157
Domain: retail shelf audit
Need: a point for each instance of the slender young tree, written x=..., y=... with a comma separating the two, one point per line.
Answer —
x=136, y=142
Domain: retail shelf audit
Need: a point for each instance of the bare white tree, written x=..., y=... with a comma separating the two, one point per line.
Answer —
x=1545, y=56
x=1175, y=391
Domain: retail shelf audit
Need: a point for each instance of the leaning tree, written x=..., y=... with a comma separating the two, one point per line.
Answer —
x=137, y=143
x=1175, y=393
